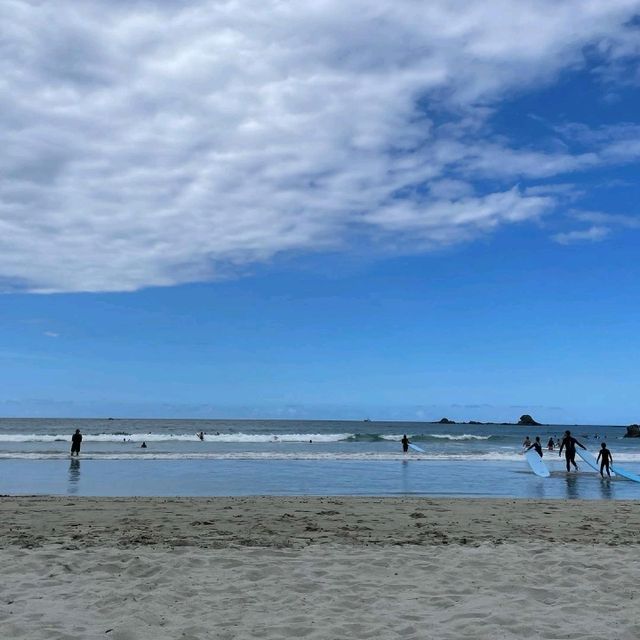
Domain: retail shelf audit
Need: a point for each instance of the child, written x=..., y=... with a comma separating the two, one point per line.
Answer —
x=607, y=459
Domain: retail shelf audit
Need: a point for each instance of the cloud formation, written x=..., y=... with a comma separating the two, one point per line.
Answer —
x=601, y=225
x=156, y=143
x=592, y=234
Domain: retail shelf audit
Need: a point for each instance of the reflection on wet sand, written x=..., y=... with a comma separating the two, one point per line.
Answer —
x=572, y=486
x=606, y=488
x=74, y=475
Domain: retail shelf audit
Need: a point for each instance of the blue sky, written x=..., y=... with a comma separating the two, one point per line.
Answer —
x=384, y=210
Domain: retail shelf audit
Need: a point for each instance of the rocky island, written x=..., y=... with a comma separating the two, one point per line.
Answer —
x=633, y=431
x=527, y=421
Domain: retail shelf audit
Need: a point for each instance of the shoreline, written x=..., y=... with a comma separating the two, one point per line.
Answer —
x=278, y=522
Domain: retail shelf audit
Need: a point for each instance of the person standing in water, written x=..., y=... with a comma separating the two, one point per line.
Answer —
x=550, y=445
x=527, y=442
x=537, y=446
x=76, y=441
x=405, y=443
x=607, y=459
x=569, y=445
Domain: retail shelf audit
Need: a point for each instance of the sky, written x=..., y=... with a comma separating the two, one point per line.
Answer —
x=388, y=209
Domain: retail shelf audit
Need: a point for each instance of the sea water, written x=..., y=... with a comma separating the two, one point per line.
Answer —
x=248, y=457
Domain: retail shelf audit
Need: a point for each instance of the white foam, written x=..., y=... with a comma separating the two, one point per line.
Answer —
x=182, y=437
x=145, y=454
x=462, y=436
x=440, y=436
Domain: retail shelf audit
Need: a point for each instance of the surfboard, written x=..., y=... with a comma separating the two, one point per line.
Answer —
x=625, y=474
x=590, y=459
x=199, y=438
x=537, y=465
x=415, y=447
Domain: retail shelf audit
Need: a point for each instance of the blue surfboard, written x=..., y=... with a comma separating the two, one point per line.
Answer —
x=415, y=447
x=589, y=458
x=625, y=474
x=535, y=462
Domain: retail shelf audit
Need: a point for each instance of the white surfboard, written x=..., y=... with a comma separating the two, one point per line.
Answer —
x=625, y=474
x=590, y=459
x=537, y=465
x=415, y=447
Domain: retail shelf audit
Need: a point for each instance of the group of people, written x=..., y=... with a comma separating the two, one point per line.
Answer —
x=568, y=445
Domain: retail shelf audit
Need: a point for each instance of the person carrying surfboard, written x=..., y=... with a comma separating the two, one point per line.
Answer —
x=537, y=446
x=569, y=445
x=405, y=443
x=607, y=459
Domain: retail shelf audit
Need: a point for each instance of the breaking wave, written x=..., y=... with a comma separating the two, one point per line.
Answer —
x=182, y=437
x=143, y=455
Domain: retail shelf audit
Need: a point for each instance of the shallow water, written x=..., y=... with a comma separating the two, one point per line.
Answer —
x=301, y=477
x=296, y=458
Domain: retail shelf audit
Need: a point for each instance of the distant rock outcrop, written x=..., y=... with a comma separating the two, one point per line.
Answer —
x=633, y=431
x=527, y=421
x=446, y=421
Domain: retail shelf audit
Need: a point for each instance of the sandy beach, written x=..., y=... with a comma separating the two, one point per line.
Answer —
x=130, y=569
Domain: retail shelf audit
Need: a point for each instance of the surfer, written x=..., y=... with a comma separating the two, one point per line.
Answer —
x=550, y=445
x=405, y=443
x=537, y=446
x=201, y=435
x=527, y=442
x=607, y=459
x=569, y=445
x=143, y=445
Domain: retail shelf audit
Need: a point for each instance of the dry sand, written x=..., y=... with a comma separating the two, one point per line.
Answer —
x=128, y=569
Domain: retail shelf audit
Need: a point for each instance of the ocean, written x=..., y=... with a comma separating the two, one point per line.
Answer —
x=289, y=457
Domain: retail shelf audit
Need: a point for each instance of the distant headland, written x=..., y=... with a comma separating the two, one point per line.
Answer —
x=525, y=421
x=633, y=430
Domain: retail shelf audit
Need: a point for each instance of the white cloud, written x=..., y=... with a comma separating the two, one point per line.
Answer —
x=592, y=234
x=51, y=334
x=610, y=219
x=153, y=143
